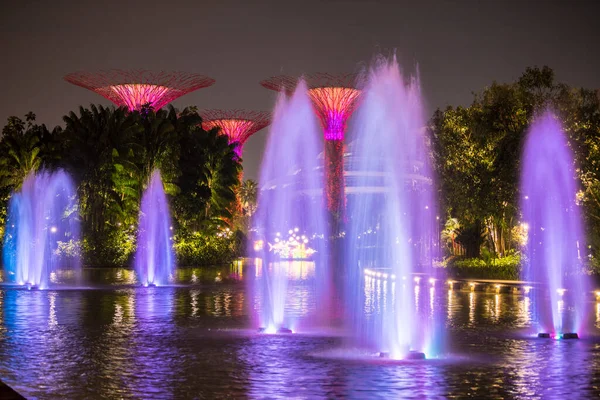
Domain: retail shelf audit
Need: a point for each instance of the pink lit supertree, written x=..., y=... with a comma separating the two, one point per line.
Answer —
x=136, y=88
x=334, y=99
x=238, y=125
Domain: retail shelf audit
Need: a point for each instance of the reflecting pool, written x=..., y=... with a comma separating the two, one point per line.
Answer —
x=195, y=339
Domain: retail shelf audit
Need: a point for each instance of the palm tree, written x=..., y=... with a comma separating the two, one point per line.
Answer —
x=449, y=234
x=207, y=178
x=156, y=145
x=221, y=172
x=249, y=196
x=100, y=153
x=22, y=149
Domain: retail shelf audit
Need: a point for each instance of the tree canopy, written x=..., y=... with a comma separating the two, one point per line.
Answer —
x=477, y=150
x=110, y=154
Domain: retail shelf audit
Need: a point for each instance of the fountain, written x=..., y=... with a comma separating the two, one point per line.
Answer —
x=392, y=222
x=554, y=229
x=290, y=204
x=41, y=225
x=154, y=255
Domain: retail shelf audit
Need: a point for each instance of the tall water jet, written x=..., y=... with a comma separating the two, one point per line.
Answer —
x=42, y=229
x=154, y=255
x=554, y=229
x=392, y=220
x=290, y=201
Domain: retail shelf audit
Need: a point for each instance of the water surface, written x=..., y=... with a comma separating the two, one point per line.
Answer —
x=196, y=340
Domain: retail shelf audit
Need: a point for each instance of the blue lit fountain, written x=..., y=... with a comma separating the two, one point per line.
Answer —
x=42, y=223
x=392, y=222
x=555, y=233
x=154, y=254
x=290, y=201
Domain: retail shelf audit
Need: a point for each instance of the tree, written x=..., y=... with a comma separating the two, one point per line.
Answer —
x=221, y=171
x=208, y=171
x=477, y=152
x=24, y=148
x=249, y=196
x=156, y=145
x=101, y=157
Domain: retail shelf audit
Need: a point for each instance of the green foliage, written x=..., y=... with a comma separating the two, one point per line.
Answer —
x=111, y=248
x=100, y=155
x=198, y=248
x=70, y=249
x=476, y=152
x=249, y=196
x=111, y=153
x=25, y=147
x=507, y=267
x=209, y=176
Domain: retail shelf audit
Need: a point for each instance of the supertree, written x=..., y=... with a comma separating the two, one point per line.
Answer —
x=136, y=88
x=238, y=125
x=334, y=98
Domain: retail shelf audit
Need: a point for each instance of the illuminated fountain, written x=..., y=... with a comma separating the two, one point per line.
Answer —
x=290, y=196
x=390, y=233
x=41, y=225
x=555, y=233
x=334, y=99
x=154, y=255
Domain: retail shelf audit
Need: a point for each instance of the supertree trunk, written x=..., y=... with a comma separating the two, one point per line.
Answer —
x=334, y=99
x=334, y=182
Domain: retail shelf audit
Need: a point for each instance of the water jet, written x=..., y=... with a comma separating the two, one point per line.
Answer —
x=154, y=258
x=392, y=219
x=554, y=231
x=42, y=216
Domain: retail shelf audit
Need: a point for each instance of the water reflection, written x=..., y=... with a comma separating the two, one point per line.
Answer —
x=472, y=305
x=193, y=341
x=547, y=369
x=295, y=270
x=524, y=311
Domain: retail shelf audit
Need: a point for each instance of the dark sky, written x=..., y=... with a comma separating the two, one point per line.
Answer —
x=460, y=46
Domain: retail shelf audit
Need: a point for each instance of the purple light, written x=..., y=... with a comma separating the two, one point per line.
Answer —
x=36, y=226
x=154, y=255
x=289, y=167
x=384, y=229
x=555, y=229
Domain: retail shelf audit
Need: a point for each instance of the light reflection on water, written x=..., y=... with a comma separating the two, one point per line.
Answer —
x=197, y=341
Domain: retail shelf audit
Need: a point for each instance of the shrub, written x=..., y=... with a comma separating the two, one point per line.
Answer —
x=199, y=248
x=508, y=267
x=112, y=249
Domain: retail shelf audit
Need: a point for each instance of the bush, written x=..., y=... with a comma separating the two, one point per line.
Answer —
x=199, y=248
x=508, y=267
x=112, y=249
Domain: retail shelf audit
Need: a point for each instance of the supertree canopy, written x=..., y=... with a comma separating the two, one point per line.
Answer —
x=334, y=98
x=136, y=88
x=238, y=125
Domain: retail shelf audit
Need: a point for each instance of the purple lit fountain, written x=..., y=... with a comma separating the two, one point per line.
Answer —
x=42, y=230
x=290, y=202
x=554, y=228
x=154, y=254
x=392, y=219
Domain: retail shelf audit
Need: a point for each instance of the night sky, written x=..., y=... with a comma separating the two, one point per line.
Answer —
x=460, y=47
